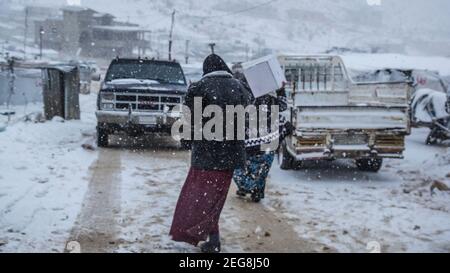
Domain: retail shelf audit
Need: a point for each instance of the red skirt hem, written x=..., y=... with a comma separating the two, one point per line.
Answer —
x=199, y=206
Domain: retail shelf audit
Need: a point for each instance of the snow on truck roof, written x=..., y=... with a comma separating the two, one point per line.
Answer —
x=142, y=60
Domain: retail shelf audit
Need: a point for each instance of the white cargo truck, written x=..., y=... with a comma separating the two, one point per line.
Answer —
x=335, y=117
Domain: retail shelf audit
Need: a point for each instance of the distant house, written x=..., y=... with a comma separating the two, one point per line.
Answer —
x=89, y=33
x=38, y=12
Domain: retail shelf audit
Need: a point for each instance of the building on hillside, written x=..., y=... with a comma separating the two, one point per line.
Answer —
x=86, y=32
x=39, y=12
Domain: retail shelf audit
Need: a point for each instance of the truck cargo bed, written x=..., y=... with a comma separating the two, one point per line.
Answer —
x=352, y=118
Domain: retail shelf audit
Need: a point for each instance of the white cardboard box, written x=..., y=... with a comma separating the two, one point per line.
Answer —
x=264, y=75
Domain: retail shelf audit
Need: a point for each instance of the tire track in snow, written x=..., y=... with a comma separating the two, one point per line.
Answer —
x=154, y=176
x=266, y=230
x=96, y=228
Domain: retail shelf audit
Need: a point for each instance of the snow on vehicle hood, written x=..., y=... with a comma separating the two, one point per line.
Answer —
x=143, y=86
x=131, y=81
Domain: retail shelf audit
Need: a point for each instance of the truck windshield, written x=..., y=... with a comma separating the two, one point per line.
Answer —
x=157, y=71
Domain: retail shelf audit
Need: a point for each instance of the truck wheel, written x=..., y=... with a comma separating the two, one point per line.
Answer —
x=431, y=139
x=369, y=164
x=285, y=160
x=102, y=138
x=298, y=165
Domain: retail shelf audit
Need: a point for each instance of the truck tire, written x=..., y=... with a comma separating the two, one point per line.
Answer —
x=432, y=139
x=369, y=164
x=102, y=138
x=285, y=160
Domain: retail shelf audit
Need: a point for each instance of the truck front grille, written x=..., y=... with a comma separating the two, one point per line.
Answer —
x=143, y=102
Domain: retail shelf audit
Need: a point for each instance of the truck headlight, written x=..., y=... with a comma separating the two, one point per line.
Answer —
x=107, y=106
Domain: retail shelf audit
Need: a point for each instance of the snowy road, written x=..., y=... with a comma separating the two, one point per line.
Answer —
x=334, y=203
x=130, y=199
x=121, y=199
x=96, y=226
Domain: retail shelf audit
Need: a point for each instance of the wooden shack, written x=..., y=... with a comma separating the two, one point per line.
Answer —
x=61, y=88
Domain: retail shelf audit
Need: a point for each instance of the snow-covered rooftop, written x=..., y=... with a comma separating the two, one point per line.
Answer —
x=99, y=15
x=76, y=8
x=121, y=28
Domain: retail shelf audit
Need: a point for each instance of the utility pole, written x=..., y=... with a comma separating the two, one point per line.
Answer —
x=150, y=37
x=171, y=35
x=41, y=34
x=159, y=49
x=186, y=53
x=3, y=48
x=25, y=34
x=247, y=51
x=212, y=45
x=12, y=78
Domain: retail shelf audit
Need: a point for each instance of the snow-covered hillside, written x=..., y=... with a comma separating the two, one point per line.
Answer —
x=287, y=25
x=244, y=28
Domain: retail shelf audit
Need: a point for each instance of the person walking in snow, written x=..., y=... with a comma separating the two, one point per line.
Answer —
x=251, y=179
x=204, y=193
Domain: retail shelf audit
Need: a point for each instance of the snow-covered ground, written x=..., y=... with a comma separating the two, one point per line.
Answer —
x=53, y=191
x=48, y=187
x=346, y=209
x=43, y=178
x=47, y=181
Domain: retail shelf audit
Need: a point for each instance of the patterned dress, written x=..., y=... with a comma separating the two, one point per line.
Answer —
x=252, y=178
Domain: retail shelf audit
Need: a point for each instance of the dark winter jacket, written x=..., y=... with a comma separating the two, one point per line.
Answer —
x=217, y=87
x=253, y=146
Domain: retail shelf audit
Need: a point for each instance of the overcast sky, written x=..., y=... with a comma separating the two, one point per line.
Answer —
x=417, y=13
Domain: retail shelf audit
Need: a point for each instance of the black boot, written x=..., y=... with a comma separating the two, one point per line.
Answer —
x=213, y=245
x=257, y=196
x=241, y=193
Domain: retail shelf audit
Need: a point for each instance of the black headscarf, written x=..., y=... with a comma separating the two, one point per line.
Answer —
x=214, y=63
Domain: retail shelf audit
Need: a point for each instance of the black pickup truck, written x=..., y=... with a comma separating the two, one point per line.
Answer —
x=138, y=96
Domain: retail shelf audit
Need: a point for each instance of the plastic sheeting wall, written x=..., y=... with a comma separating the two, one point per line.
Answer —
x=28, y=87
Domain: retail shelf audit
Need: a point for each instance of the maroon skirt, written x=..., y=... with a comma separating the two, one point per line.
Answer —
x=199, y=206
